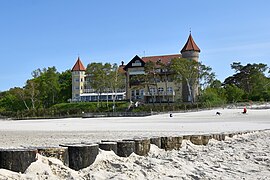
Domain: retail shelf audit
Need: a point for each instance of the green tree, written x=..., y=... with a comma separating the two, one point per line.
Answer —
x=47, y=85
x=251, y=78
x=213, y=95
x=116, y=81
x=151, y=74
x=65, y=86
x=98, y=74
x=11, y=101
x=233, y=93
x=32, y=92
x=191, y=73
x=164, y=75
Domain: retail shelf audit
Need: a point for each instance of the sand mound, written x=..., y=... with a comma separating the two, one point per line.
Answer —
x=246, y=156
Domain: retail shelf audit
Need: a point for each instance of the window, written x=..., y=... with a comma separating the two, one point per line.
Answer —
x=119, y=97
x=132, y=93
x=93, y=98
x=152, y=90
x=160, y=89
x=142, y=92
x=137, y=63
x=110, y=97
x=170, y=89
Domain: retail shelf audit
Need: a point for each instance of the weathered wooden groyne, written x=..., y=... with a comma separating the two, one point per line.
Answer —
x=79, y=156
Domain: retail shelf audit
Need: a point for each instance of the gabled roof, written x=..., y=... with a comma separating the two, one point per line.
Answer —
x=165, y=59
x=78, y=66
x=132, y=61
x=190, y=45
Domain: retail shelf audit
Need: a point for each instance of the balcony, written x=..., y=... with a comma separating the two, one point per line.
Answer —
x=89, y=91
x=108, y=91
x=160, y=93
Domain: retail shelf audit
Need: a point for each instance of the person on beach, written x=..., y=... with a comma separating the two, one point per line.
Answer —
x=244, y=110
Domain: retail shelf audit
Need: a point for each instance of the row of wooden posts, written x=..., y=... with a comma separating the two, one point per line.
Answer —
x=79, y=156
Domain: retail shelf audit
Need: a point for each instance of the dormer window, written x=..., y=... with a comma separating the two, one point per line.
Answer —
x=137, y=63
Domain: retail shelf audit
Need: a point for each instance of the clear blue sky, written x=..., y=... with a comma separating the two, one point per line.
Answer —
x=43, y=33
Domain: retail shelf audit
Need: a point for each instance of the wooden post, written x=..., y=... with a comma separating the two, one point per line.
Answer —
x=60, y=153
x=17, y=160
x=196, y=139
x=108, y=146
x=81, y=155
x=142, y=146
x=170, y=143
x=205, y=139
x=125, y=148
x=186, y=137
x=156, y=141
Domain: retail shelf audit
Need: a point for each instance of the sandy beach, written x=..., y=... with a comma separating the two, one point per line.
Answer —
x=245, y=156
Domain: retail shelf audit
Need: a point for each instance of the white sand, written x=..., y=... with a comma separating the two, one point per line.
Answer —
x=241, y=157
x=246, y=157
x=57, y=131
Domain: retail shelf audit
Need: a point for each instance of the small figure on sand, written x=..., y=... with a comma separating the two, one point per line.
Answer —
x=218, y=113
x=244, y=110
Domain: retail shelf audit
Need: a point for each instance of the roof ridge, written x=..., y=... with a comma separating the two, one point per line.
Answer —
x=161, y=55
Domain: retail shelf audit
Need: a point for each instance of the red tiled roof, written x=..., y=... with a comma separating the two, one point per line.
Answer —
x=78, y=66
x=165, y=59
x=190, y=45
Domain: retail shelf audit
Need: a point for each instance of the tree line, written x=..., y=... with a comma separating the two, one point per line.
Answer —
x=250, y=82
x=48, y=88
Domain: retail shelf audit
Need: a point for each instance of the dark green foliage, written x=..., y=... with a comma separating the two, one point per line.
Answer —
x=251, y=79
x=86, y=107
x=212, y=97
x=171, y=107
x=46, y=88
x=65, y=85
x=233, y=93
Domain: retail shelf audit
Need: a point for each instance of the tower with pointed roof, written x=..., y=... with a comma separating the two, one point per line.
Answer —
x=190, y=49
x=78, y=76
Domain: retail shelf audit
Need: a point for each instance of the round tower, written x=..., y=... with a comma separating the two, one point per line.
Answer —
x=78, y=78
x=191, y=50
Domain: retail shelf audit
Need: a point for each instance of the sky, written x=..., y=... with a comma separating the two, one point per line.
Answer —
x=40, y=34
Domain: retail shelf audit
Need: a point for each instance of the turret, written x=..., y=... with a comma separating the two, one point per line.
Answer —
x=190, y=50
x=78, y=75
